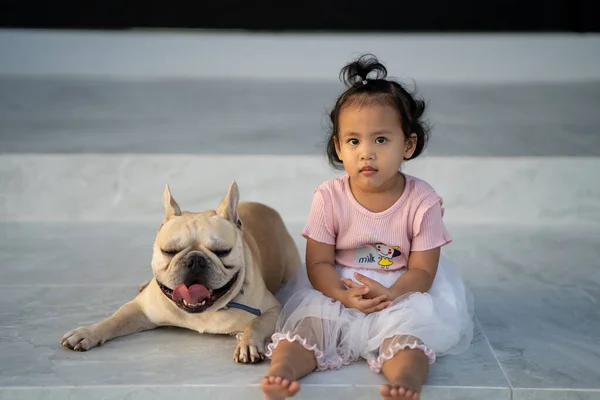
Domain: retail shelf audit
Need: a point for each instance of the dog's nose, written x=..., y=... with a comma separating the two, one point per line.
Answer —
x=197, y=262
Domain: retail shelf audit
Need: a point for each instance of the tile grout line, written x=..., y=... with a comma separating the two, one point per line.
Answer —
x=496, y=358
x=211, y=385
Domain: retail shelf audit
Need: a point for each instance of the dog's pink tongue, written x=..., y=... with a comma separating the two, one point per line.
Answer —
x=193, y=295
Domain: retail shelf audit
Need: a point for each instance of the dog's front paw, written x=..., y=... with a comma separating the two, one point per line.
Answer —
x=249, y=350
x=81, y=339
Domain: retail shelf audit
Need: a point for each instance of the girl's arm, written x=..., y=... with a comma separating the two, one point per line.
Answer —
x=323, y=276
x=422, y=267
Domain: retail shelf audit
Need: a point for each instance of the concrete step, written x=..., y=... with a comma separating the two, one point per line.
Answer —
x=536, y=292
x=42, y=114
x=126, y=187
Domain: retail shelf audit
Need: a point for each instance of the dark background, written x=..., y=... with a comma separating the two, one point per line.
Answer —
x=309, y=15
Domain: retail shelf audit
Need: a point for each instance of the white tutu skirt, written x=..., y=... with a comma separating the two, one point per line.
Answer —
x=438, y=322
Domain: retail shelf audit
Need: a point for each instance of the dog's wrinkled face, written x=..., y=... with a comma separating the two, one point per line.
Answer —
x=198, y=258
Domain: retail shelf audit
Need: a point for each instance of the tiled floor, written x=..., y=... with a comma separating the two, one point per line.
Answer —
x=83, y=165
x=537, y=327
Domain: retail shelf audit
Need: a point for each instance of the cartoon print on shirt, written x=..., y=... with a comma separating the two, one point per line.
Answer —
x=377, y=255
x=386, y=253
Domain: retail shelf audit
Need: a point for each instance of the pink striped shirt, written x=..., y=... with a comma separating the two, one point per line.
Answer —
x=380, y=241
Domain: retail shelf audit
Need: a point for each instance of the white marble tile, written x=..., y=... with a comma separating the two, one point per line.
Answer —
x=555, y=394
x=42, y=254
x=235, y=393
x=82, y=254
x=536, y=293
x=83, y=281
x=538, y=314
x=542, y=257
x=34, y=318
x=130, y=187
x=544, y=337
x=110, y=254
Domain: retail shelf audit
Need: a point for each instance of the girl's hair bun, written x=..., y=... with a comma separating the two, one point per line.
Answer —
x=359, y=70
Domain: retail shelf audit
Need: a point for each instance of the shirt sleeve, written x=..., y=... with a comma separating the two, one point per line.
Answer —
x=430, y=231
x=319, y=226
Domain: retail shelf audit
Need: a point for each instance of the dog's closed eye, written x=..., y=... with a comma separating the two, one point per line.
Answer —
x=222, y=253
x=169, y=252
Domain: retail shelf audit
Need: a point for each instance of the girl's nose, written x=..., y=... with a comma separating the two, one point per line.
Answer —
x=366, y=153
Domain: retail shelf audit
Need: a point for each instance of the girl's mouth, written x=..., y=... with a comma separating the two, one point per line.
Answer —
x=367, y=170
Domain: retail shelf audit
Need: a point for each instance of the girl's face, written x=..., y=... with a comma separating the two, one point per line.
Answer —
x=372, y=146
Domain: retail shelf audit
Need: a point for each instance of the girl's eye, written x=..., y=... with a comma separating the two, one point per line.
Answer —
x=353, y=142
x=380, y=140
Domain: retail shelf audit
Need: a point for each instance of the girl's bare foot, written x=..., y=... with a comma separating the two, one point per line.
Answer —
x=406, y=388
x=278, y=388
x=290, y=362
x=405, y=374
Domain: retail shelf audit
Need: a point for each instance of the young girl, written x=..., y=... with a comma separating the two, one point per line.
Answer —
x=380, y=290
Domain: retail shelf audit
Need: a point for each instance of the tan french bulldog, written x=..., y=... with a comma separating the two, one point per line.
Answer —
x=214, y=272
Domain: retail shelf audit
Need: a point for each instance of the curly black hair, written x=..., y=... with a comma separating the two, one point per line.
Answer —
x=365, y=90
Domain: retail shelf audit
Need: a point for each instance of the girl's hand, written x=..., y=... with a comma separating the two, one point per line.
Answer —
x=354, y=298
x=376, y=289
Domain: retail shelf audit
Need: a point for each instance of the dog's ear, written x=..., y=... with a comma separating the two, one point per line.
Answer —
x=228, y=207
x=171, y=206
